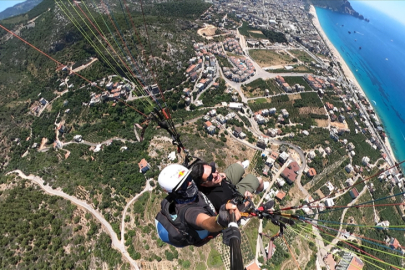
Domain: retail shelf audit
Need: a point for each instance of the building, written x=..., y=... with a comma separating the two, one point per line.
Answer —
x=394, y=244
x=237, y=131
x=311, y=172
x=289, y=175
x=283, y=157
x=280, y=182
x=294, y=166
x=280, y=195
x=354, y=193
x=350, y=262
x=330, y=262
x=329, y=202
x=143, y=166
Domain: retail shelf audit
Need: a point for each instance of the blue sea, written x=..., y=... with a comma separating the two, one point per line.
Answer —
x=379, y=66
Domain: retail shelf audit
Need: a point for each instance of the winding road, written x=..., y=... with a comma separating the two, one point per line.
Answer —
x=116, y=243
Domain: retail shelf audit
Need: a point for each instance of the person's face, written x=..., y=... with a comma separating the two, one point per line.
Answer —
x=211, y=177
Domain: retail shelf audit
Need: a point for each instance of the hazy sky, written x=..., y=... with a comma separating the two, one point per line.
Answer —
x=8, y=3
x=394, y=8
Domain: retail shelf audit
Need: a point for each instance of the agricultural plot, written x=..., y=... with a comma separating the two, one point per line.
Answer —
x=309, y=100
x=257, y=87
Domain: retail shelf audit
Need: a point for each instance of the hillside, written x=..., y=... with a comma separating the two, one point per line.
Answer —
x=19, y=8
x=162, y=40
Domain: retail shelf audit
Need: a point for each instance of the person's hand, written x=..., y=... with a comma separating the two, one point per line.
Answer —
x=233, y=208
x=224, y=214
x=248, y=194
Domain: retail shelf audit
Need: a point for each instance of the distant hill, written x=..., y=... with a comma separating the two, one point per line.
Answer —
x=19, y=9
x=342, y=6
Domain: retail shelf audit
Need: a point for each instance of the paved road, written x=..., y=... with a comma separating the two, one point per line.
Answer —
x=117, y=244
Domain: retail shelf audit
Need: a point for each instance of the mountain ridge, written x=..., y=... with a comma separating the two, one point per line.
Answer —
x=19, y=8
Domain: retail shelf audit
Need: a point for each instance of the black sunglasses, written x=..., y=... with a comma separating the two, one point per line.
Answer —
x=210, y=177
x=185, y=183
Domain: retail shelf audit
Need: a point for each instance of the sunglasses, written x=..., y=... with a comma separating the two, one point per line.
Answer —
x=185, y=183
x=211, y=176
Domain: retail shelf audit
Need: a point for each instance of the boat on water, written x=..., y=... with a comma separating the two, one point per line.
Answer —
x=359, y=48
x=354, y=32
x=349, y=32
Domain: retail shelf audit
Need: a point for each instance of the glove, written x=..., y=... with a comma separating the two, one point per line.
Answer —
x=268, y=205
x=223, y=217
x=230, y=233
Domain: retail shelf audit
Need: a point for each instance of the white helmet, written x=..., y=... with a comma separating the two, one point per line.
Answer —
x=172, y=177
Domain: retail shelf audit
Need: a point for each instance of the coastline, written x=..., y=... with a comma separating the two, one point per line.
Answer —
x=346, y=70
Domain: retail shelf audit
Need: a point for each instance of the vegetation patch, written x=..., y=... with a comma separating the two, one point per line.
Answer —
x=266, y=58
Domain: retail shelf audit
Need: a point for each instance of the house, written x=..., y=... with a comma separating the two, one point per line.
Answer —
x=262, y=143
x=330, y=262
x=272, y=111
x=43, y=101
x=289, y=175
x=311, y=155
x=354, y=193
x=329, y=202
x=253, y=266
x=78, y=138
x=294, y=166
x=285, y=113
x=143, y=166
x=235, y=105
x=280, y=195
x=283, y=157
x=221, y=119
x=305, y=132
x=211, y=129
x=349, y=168
x=237, y=131
x=383, y=224
x=280, y=182
x=242, y=135
x=311, y=172
x=350, y=262
x=349, y=182
x=274, y=155
x=394, y=244
x=207, y=124
x=260, y=119
x=365, y=160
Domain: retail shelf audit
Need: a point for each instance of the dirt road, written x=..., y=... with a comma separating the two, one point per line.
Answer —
x=117, y=244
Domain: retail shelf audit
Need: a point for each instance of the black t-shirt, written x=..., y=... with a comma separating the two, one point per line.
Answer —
x=218, y=195
x=202, y=206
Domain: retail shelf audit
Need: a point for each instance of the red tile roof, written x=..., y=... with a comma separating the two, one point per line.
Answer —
x=142, y=164
x=311, y=172
x=355, y=264
x=280, y=195
x=294, y=166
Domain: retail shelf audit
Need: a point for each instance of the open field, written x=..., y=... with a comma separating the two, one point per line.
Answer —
x=266, y=58
x=208, y=30
x=322, y=122
x=301, y=55
x=248, y=31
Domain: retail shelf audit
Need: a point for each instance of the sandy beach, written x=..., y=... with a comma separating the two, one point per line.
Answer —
x=346, y=70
